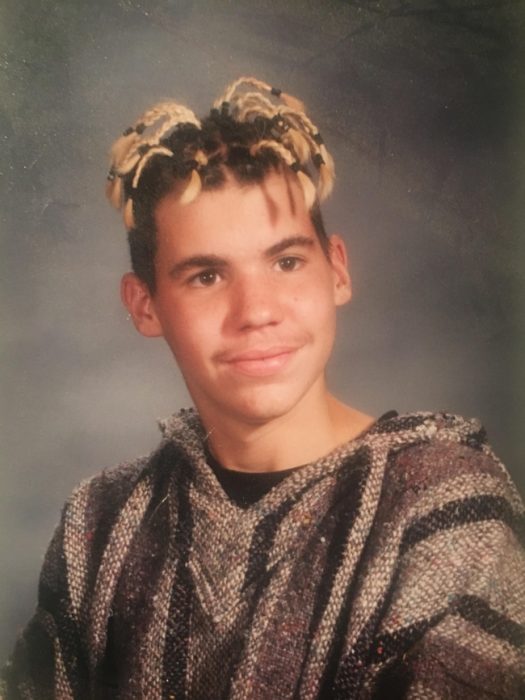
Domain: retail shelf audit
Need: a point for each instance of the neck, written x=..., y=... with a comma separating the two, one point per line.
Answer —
x=304, y=435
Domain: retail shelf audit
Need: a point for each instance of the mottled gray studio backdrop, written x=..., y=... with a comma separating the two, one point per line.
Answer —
x=419, y=101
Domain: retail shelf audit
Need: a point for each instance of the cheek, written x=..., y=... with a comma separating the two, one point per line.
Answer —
x=191, y=334
x=315, y=305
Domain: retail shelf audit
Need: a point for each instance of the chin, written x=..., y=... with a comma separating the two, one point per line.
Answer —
x=260, y=407
x=256, y=401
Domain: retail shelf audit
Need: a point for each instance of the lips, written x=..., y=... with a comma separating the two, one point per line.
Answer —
x=260, y=362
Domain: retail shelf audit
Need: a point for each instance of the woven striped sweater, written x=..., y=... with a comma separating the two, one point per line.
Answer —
x=390, y=568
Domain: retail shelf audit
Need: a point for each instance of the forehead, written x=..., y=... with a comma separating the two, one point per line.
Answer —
x=234, y=217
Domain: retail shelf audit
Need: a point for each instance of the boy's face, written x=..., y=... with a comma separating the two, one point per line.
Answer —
x=245, y=298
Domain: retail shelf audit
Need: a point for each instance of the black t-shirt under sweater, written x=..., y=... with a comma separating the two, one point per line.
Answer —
x=246, y=488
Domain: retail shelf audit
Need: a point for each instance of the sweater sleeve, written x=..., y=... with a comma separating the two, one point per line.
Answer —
x=454, y=626
x=48, y=661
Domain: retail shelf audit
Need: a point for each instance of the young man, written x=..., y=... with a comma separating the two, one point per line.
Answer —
x=278, y=543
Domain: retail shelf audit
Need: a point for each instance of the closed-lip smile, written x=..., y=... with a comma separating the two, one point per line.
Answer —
x=260, y=362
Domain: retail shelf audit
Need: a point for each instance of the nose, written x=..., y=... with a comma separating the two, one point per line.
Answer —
x=255, y=302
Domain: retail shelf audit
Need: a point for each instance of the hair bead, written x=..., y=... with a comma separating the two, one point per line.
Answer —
x=308, y=189
x=114, y=192
x=192, y=189
x=129, y=219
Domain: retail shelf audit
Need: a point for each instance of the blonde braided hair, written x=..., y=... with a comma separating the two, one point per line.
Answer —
x=132, y=151
x=287, y=133
x=298, y=133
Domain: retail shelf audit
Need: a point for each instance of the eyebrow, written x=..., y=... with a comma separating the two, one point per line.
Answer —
x=197, y=261
x=215, y=261
x=291, y=241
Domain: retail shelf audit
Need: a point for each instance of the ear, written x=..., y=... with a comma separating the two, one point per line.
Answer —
x=137, y=299
x=339, y=262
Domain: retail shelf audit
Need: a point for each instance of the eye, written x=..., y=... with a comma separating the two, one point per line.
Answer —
x=289, y=263
x=206, y=278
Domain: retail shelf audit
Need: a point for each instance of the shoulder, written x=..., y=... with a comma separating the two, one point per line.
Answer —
x=444, y=460
x=101, y=518
x=140, y=483
x=436, y=443
x=110, y=487
x=98, y=501
x=424, y=426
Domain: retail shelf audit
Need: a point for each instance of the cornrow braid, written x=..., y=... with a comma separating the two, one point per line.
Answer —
x=252, y=129
x=299, y=134
x=229, y=93
x=286, y=155
x=320, y=155
x=132, y=151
